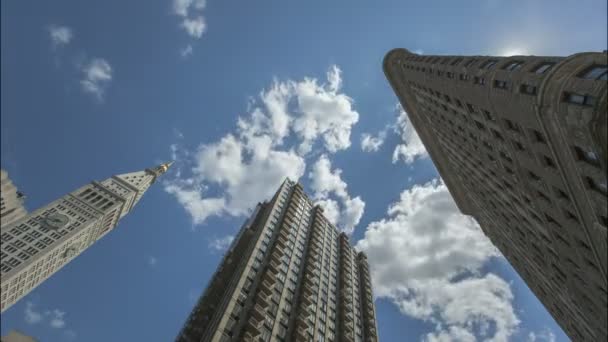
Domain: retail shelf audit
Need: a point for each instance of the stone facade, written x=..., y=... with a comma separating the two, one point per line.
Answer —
x=288, y=276
x=11, y=208
x=36, y=246
x=521, y=144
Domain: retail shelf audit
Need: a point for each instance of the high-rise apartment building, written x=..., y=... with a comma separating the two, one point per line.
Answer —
x=289, y=275
x=11, y=208
x=36, y=246
x=521, y=144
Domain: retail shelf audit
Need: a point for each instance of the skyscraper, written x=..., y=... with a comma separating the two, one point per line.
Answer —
x=289, y=275
x=36, y=246
x=12, y=207
x=521, y=144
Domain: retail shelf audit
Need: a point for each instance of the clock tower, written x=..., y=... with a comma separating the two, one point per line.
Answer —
x=39, y=244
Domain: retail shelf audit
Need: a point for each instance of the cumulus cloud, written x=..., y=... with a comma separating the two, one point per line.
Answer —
x=411, y=147
x=56, y=319
x=370, y=143
x=271, y=142
x=192, y=21
x=187, y=51
x=60, y=35
x=182, y=7
x=326, y=183
x=545, y=335
x=426, y=258
x=31, y=315
x=221, y=244
x=97, y=76
x=195, y=27
x=53, y=318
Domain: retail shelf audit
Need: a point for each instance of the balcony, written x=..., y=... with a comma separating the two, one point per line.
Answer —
x=276, y=256
x=301, y=334
x=258, y=314
x=252, y=329
x=273, y=265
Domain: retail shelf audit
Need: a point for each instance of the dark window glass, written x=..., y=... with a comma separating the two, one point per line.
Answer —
x=479, y=80
x=489, y=64
x=456, y=61
x=515, y=65
x=500, y=84
x=470, y=62
x=543, y=67
x=595, y=72
x=589, y=157
x=599, y=187
x=538, y=136
x=527, y=89
x=583, y=100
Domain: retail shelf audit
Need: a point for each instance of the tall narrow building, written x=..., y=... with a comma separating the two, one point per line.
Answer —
x=288, y=276
x=11, y=208
x=36, y=246
x=521, y=144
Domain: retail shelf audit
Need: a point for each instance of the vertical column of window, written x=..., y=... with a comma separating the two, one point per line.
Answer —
x=366, y=298
x=308, y=296
x=347, y=320
x=264, y=307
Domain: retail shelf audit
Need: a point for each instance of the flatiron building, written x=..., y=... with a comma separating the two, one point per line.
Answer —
x=521, y=144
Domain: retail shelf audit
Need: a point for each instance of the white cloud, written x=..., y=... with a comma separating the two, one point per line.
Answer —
x=182, y=7
x=221, y=244
x=195, y=27
x=231, y=175
x=411, y=147
x=192, y=21
x=370, y=143
x=427, y=258
x=56, y=318
x=97, y=76
x=324, y=113
x=545, y=335
x=152, y=261
x=187, y=51
x=60, y=35
x=326, y=183
x=31, y=315
x=198, y=207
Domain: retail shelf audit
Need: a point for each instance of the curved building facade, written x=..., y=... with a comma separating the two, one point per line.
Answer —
x=521, y=144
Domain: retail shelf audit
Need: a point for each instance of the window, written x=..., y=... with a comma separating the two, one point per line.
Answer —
x=583, y=100
x=479, y=80
x=595, y=72
x=489, y=64
x=471, y=108
x=547, y=161
x=589, y=157
x=515, y=65
x=470, y=62
x=599, y=187
x=464, y=77
x=500, y=84
x=488, y=115
x=450, y=74
x=543, y=67
x=538, y=137
x=527, y=89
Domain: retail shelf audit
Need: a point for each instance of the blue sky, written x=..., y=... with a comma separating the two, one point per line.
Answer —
x=94, y=88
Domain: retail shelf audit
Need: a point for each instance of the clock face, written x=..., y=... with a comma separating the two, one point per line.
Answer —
x=56, y=220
